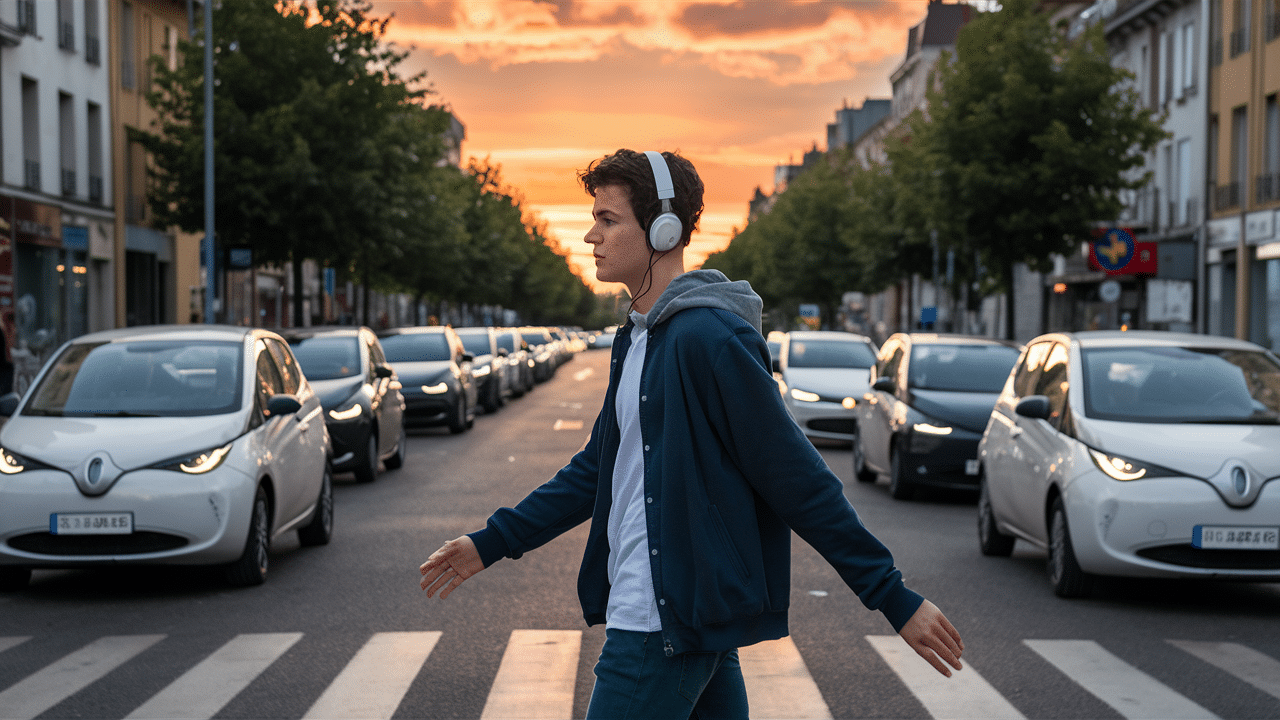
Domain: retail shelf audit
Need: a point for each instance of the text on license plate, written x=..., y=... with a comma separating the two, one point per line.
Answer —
x=118, y=523
x=1227, y=537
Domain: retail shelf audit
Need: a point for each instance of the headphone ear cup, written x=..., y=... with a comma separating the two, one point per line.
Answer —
x=664, y=232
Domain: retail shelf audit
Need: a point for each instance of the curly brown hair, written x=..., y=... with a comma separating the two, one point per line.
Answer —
x=631, y=170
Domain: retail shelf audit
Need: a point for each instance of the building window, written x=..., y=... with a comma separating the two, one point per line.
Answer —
x=1188, y=69
x=31, y=134
x=67, y=143
x=92, y=45
x=171, y=47
x=128, y=48
x=135, y=169
x=1187, y=206
x=1241, y=25
x=66, y=26
x=93, y=117
x=27, y=16
x=1240, y=149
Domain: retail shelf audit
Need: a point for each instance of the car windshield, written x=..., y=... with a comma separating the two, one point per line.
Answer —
x=534, y=338
x=327, y=358
x=416, y=347
x=829, y=354
x=165, y=378
x=476, y=343
x=1181, y=385
x=960, y=368
x=506, y=341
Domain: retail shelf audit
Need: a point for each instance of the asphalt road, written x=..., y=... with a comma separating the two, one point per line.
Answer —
x=1108, y=656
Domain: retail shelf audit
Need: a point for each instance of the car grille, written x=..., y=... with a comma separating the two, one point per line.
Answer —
x=834, y=425
x=1188, y=556
x=132, y=544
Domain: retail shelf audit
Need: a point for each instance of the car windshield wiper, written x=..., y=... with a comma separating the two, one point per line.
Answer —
x=122, y=413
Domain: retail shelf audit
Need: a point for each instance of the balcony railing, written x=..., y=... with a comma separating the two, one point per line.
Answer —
x=68, y=182
x=1267, y=187
x=31, y=174
x=1226, y=196
x=66, y=36
x=92, y=52
x=95, y=188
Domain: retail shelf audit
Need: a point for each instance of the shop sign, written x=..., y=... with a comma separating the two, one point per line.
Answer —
x=1259, y=226
x=1169, y=300
x=1117, y=253
x=37, y=223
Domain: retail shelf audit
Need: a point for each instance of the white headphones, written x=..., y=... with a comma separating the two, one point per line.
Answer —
x=665, y=230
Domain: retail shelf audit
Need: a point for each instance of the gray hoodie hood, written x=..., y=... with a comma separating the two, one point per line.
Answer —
x=709, y=289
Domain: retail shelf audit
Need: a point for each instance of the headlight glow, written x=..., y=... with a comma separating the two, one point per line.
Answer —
x=804, y=395
x=351, y=412
x=435, y=389
x=1117, y=467
x=848, y=403
x=10, y=464
x=199, y=463
x=931, y=429
x=481, y=371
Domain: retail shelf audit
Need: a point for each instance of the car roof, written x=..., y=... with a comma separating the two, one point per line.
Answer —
x=950, y=339
x=416, y=329
x=1157, y=338
x=826, y=335
x=322, y=330
x=193, y=331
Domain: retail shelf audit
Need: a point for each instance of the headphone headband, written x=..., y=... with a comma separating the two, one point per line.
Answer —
x=661, y=175
x=664, y=230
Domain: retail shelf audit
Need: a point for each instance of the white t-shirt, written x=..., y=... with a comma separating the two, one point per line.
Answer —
x=632, y=605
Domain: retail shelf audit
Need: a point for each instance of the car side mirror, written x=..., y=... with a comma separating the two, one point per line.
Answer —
x=9, y=404
x=1035, y=407
x=884, y=384
x=283, y=404
x=383, y=371
x=502, y=352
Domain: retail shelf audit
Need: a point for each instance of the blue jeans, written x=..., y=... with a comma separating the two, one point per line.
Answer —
x=635, y=680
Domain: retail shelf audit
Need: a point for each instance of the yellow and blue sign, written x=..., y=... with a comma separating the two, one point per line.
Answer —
x=1114, y=250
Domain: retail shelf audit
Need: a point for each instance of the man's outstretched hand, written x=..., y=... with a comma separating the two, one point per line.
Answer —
x=932, y=636
x=447, y=567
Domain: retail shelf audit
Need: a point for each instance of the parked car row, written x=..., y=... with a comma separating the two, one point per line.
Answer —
x=98, y=459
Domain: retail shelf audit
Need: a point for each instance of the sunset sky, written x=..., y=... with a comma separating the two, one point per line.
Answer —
x=737, y=87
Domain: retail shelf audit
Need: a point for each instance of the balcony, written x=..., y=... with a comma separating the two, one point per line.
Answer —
x=1239, y=41
x=1267, y=188
x=95, y=189
x=31, y=174
x=68, y=182
x=1226, y=197
x=92, y=49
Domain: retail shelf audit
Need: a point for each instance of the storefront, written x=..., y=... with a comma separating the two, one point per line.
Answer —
x=1221, y=267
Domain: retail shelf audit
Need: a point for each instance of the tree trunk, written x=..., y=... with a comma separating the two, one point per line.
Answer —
x=1009, y=305
x=298, y=293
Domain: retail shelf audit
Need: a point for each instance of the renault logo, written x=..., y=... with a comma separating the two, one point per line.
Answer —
x=94, y=473
x=1240, y=480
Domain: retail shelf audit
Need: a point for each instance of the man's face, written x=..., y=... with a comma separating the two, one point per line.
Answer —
x=622, y=254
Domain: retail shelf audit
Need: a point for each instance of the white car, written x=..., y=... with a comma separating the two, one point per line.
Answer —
x=182, y=444
x=820, y=374
x=1143, y=454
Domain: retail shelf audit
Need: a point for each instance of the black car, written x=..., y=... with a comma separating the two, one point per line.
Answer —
x=488, y=366
x=360, y=394
x=543, y=351
x=436, y=372
x=519, y=362
x=930, y=399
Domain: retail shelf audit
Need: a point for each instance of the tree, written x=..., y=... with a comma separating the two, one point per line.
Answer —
x=1028, y=140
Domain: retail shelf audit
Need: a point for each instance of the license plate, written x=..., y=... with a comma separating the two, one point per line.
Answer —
x=1227, y=537
x=119, y=523
x=971, y=467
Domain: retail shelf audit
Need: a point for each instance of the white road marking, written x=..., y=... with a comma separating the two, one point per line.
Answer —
x=567, y=425
x=206, y=688
x=963, y=695
x=1128, y=690
x=583, y=374
x=537, y=676
x=8, y=642
x=372, y=685
x=1259, y=670
x=62, y=679
x=778, y=683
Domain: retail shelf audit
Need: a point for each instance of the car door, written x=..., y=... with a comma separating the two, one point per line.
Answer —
x=1003, y=465
x=874, y=423
x=1041, y=444
x=388, y=404
x=286, y=441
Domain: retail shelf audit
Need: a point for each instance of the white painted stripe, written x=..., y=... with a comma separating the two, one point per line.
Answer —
x=778, y=683
x=1259, y=670
x=537, y=675
x=583, y=374
x=206, y=688
x=372, y=685
x=963, y=695
x=73, y=673
x=567, y=425
x=1128, y=690
x=8, y=642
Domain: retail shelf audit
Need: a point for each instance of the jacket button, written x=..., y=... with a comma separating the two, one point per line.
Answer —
x=653, y=551
x=649, y=500
x=663, y=601
x=646, y=448
x=644, y=398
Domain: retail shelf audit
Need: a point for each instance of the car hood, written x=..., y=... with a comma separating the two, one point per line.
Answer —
x=829, y=382
x=1199, y=450
x=68, y=442
x=334, y=392
x=969, y=410
x=421, y=373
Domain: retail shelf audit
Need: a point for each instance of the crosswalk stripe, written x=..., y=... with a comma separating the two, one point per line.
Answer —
x=1259, y=670
x=778, y=683
x=963, y=695
x=1128, y=690
x=62, y=679
x=536, y=677
x=204, y=689
x=372, y=685
x=8, y=642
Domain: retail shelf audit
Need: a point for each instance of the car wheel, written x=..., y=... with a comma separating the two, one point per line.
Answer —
x=493, y=399
x=860, y=470
x=471, y=417
x=899, y=486
x=397, y=458
x=458, y=423
x=1069, y=581
x=320, y=529
x=251, y=568
x=367, y=470
x=14, y=578
x=991, y=541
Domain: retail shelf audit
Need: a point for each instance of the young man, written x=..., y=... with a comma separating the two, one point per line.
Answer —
x=693, y=479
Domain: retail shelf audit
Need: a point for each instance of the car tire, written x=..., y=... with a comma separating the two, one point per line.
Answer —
x=251, y=568
x=458, y=423
x=396, y=460
x=13, y=579
x=367, y=470
x=899, y=486
x=1068, y=580
x=493, y=401
x=861, y=472
x=320, y=529
x=991, y=541
x=471, y=417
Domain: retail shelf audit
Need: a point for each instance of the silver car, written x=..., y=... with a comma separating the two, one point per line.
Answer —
x=821, y=373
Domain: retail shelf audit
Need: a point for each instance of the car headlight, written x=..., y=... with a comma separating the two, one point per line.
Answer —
x=481, y=371
x=198, y=463
x=1121, y=468
x=804, y=395
x=347, y=413
x=848, y=403
x=11, y=464
x=436, y=389
x=931, y=429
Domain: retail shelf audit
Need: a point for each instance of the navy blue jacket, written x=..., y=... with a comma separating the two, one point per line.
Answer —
x=727, y=476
